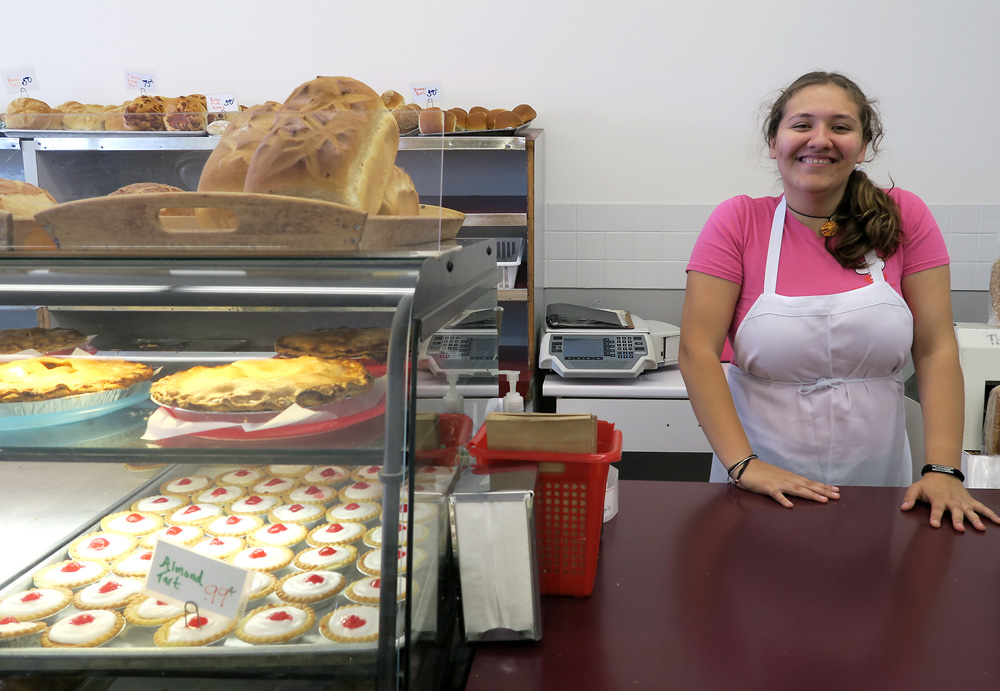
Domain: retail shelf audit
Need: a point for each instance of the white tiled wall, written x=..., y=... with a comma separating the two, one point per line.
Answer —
x=648, y=245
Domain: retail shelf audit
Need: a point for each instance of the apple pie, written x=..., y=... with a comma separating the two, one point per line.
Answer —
x=37, y=338
x=370, y=343
x=44, y=378
x=262, y=385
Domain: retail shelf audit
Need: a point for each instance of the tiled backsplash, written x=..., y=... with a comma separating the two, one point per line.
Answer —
x=648, y=245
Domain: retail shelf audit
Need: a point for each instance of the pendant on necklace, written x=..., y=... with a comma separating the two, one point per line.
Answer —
x=828, y=228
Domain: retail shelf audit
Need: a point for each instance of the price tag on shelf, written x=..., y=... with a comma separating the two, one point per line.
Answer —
x=222, y=103
x=139, y=80
x=20, y=79
x=181, y=575
x=425, y=94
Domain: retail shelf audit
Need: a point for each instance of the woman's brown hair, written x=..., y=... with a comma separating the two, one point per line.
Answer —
x=867, y=216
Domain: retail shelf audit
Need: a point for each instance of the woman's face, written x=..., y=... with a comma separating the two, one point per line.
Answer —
x=818, y=142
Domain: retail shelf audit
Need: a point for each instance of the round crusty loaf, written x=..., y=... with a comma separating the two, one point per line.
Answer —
x=23, y=200
x=186, y=114
x=152, y=188
x=995, y=290
x=334, y=93
x=342, y=156
x=400, y=198
x=145, y=114
x=28, y=114
x=407, y=117
x=87, y=117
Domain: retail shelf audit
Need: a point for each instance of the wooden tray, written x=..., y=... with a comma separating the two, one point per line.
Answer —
x=263, y=224
x=434, y=224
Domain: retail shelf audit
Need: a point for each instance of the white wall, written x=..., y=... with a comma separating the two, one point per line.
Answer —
x=642, y=101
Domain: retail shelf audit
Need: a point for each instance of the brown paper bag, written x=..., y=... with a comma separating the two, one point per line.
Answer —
x=544, y=432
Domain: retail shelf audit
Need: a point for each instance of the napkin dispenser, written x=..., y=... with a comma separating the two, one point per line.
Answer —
x=493, y=536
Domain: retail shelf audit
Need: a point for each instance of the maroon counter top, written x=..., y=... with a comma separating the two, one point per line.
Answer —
x=705, y=586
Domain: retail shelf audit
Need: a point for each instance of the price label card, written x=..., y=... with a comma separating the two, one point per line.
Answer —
x=425, y=94
x=181, y=575
x=222, y=103
x=139, y=80
x=17, y=78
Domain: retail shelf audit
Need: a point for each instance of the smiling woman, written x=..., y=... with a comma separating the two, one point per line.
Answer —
x=824, y=293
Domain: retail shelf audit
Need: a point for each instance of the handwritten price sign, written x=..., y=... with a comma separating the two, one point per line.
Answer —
x=136, y=80
x=425, y=93
x=18, y=78
x=222, y=103
x=180, y=575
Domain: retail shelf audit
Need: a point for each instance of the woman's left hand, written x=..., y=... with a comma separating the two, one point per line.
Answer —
x=946, y=493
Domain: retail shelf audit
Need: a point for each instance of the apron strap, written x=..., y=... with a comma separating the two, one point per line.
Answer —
x=774, y=248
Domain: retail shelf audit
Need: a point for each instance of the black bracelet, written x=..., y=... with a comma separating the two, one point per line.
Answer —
x=742, y=465
x=946, y=469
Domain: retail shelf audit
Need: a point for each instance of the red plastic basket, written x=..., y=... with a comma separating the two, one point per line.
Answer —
x=569, y=507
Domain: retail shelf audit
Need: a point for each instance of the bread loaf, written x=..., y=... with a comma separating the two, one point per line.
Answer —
x=87, y=117
x=114, y=118
x=400, y=197
x=226, y=168
x=991, y=424
x=145, y=114
x=152, y=188
x=342, y=156
x=334, y=93
x=461, y=119
x=186, y=114
x=436, y=121
x=22, y=201
x=28, y=114
x=476, y=122
x=995, y=292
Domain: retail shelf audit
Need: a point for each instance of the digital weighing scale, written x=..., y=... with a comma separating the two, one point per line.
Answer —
x=467, y=346
x=589, y=342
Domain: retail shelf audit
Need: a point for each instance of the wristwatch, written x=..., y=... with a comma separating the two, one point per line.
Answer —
x=946, y=469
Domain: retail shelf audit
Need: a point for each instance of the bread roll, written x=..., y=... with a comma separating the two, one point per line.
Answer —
x=507, y=119
x=461, y=118
x=436, y=121
x=186, y=114
x=407, y=117
x=114, y=118
x=491, y=118
x=478, y=109
x=334, y=93
x=152, y=188
x=526, y=112
x=393, y=99
x=89, y=117
x=339, y=156
x=476, y=122
x=400, y=197
x=28, y=114
x=145, y=114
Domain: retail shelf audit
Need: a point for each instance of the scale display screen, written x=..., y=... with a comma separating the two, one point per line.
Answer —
x=583, y=347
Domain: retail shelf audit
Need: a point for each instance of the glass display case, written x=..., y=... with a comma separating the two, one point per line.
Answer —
x=372, y=465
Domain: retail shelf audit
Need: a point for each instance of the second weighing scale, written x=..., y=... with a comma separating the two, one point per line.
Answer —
x=589, y=342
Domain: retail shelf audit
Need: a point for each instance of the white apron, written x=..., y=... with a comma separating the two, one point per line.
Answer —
x=819, y=387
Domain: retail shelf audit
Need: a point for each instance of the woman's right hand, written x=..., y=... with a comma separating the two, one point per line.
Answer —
x=775, y=482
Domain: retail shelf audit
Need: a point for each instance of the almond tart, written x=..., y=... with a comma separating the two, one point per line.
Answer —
x=84, y=630
x=368, y=591
x=219, y=547
x=277, y=534
x=134, y=565
x=354, y=512
x=241, y=477
x=302, y=514
x=275, y=623
x=195, y=514
x=73, y=573
x=326, y=475
x=326, y=557
x=253, y=505
x=310, y=587
x=185, y=535
x=111, y=592
x=102, y=546
x=262, y=385
x=269, y=559
x=148, y=611
x=17, y=634
x=134, y=523
x=350, y=624
x=36, y=604
x=160, y=504
x=46, y=378
x=311, y=494
x=371, y=562
x=193, y=630
x=233, y=526
x=335, y=534
x=186, y=486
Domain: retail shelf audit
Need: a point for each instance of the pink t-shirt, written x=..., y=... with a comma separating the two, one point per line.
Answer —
x=733, y=246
